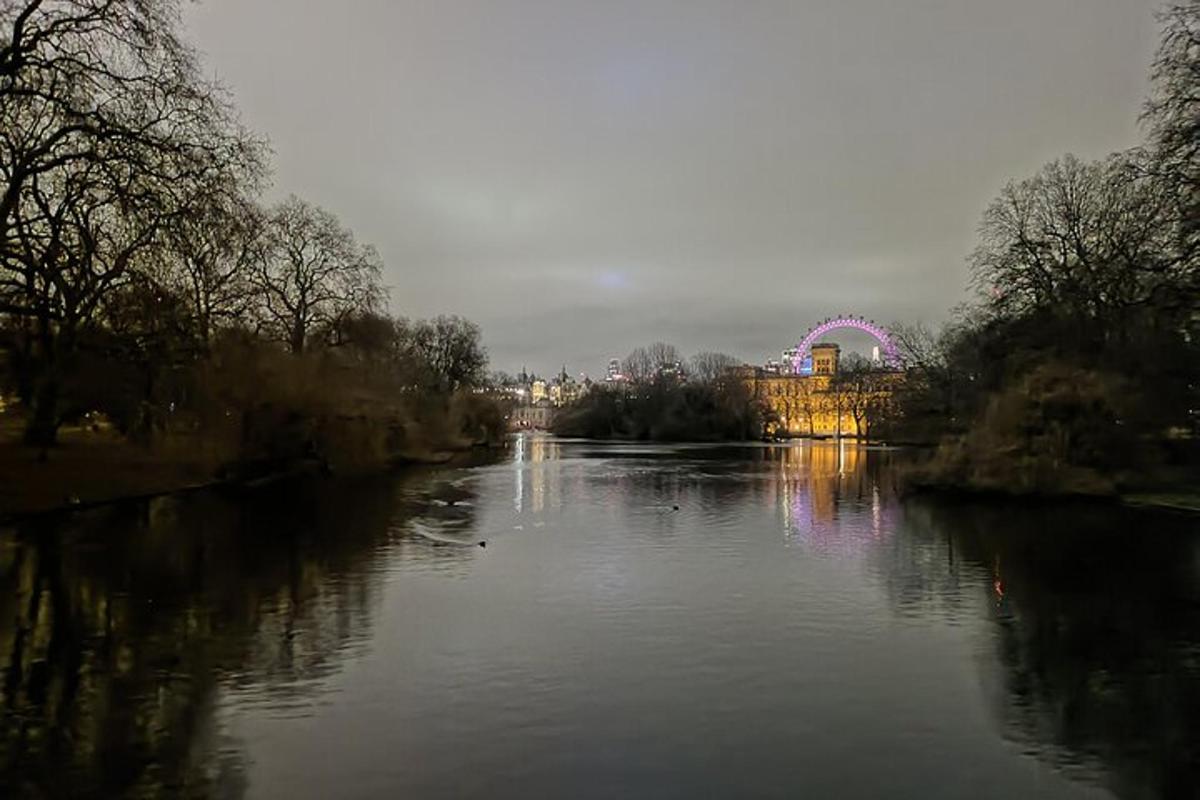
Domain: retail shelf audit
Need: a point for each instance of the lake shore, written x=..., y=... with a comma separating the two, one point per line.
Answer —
x=87, y=469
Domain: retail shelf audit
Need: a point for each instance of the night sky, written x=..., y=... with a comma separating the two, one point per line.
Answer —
x=583, y=177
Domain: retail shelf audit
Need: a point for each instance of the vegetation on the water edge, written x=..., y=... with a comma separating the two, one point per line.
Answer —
x=145, y=286
x=654, y=402
x=1078, y=370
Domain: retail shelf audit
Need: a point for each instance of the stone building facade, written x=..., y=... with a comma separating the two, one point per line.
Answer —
x=817, y=404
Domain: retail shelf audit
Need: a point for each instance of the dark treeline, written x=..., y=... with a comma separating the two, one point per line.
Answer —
x=1078, y=368
x=662, y=399
x=142, y=277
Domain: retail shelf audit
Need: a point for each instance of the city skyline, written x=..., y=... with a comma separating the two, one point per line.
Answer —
x=852, y=334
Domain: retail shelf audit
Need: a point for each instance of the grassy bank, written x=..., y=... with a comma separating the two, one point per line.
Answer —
x=97, y=465
x=87, y=469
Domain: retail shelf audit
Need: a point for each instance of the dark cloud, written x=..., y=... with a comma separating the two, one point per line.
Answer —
x=582, y=177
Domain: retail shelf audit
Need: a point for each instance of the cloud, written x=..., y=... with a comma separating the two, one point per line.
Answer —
x=584, y=177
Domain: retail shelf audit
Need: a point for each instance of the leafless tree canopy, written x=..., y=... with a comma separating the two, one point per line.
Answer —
x=209, y=259
x=1173, y=110
x=107, y=133
x=709, y=367
x=312, y=273
x=638, y=366
x=1173, y=116
x=451, y=348
x=644, y=364
x=90, y=82
x=864, y=391
x=131, y=237
x=1092, y=239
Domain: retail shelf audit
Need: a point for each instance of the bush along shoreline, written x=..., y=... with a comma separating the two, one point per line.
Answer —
x=251, y=415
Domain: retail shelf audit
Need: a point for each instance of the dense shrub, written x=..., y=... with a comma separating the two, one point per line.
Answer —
x=1059, y=430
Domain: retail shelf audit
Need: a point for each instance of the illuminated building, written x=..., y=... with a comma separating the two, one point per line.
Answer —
x=825, y=358
x=808, y=400
x=672, y=371
x=531, y=417
x=614, y=371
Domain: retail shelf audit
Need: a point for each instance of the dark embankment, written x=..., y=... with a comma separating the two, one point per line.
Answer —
x=1064, y=431
x=248, y=415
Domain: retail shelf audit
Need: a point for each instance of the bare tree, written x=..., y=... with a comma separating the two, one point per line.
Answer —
x=452, y=349
x=709, y=367
x=79, y=234
x=808, y=403
x=211, y=253
x=1173, y=117
x=1173, y=109
x=664, y=356
x=1088, y=240
x=648, y=364
x=106, y=129
x=864, y=391
x=851, y=389
x=312, y=273
x=638, y=366
x=498, y=379
x=919, y=345
x=80, y=79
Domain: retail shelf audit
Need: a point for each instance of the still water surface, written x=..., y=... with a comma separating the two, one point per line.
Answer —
x=792, y=629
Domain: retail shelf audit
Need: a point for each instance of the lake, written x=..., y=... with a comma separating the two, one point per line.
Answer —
x=641, y=621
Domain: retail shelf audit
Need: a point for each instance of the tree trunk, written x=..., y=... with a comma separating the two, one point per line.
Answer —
x=296, y=342
x=25, y=370
x=42, y=428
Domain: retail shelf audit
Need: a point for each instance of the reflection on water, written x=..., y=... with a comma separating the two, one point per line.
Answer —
x=644, y=621
x=119, y=630
x=1094, y=625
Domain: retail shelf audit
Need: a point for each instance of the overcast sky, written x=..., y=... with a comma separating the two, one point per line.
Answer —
x=583, y=177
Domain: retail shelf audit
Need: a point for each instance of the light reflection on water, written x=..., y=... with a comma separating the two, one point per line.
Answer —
x=643, y=621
